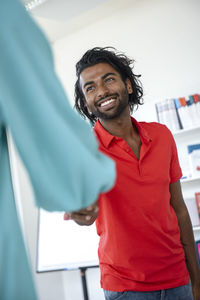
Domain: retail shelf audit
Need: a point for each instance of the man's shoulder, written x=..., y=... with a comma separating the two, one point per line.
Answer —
x=157, y=131
x=154, y=127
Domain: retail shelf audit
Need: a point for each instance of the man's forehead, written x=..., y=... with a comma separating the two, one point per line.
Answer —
x=96, y=71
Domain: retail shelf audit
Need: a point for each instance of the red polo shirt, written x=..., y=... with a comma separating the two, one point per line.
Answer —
x=140, y=248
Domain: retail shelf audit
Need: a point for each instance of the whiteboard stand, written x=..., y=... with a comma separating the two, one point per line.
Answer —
x=84, y=280
x=84, y=283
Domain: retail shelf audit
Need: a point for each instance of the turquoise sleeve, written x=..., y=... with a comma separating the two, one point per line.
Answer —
x=58, y=149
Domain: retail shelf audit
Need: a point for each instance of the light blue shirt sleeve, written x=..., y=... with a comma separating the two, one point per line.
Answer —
x=58, y=148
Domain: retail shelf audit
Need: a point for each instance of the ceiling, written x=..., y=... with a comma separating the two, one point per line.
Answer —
x=62, y=10
x=59, y=18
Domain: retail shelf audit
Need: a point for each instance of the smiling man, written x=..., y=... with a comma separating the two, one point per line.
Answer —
x=146, y=248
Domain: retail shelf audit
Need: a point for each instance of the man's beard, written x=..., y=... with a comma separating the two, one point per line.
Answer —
x=116, y=113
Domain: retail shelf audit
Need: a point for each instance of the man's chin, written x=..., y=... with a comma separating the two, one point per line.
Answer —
x=106, y=116
x=110, y=114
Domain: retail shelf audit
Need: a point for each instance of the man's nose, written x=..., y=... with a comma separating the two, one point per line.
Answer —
x=102, y=91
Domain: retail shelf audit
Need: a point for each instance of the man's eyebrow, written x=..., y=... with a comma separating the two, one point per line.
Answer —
x=108, y=74
x=88, y=83
x=103, y=77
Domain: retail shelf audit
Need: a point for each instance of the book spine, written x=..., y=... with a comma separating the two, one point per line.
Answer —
x=158, y=113
x=185, y=115
x=196, y=98
x=178, y=112
x=175, y=125
x=166, y=114
x=193, y=112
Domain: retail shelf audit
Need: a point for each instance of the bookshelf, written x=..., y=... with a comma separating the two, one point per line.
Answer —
x=186, y=131
x=182, y=117
x=189, y=185
x=196, y=228
x=191, y=179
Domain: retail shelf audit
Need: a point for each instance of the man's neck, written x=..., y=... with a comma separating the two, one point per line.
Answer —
x=121, y=126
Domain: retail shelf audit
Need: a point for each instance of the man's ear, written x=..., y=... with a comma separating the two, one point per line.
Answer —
x=129, y=86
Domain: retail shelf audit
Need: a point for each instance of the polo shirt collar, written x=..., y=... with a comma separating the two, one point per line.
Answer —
x=106, y=138
x=142, y=130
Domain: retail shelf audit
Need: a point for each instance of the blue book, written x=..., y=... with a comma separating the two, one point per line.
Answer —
x=179, y=116
x=191, y=148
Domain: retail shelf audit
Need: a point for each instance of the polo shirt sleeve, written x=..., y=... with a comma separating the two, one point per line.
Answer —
x=58, y=148
x=175, y=169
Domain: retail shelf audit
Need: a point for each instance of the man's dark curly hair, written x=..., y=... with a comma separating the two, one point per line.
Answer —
x=121, y=63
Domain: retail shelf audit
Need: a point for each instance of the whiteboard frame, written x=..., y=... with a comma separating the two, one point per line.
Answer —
x=65, y=265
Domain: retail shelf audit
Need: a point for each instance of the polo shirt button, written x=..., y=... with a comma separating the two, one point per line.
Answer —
x=127, y=150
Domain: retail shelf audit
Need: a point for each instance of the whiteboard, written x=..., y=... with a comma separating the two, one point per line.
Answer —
x=64, y=245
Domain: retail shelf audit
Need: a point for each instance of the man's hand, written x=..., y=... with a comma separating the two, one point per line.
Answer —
x=85, y=216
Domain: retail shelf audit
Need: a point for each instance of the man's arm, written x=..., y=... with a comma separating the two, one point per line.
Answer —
x=85, y=216
x=187, y=237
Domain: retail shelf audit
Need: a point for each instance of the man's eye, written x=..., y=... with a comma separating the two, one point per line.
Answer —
x=90, y=88
x=109, y=79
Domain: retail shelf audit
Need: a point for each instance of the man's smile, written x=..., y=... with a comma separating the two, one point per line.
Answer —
x=107, y=102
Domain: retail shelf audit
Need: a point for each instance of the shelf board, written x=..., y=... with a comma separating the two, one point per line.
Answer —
x=196, y=228
x=190, y=179
x=182, y=131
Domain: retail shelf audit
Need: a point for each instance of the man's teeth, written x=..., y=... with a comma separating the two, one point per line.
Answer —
x=107, y=102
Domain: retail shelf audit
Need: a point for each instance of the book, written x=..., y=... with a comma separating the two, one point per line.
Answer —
x=162, y=110
x=173, y=116
x=194, y=159
x=196, y=98
x=179, y=112
x=167, y=114
x=159, y=112
x=186, y=120
x=192, y=109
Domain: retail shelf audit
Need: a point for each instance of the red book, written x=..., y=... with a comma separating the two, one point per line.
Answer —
x=196, y=97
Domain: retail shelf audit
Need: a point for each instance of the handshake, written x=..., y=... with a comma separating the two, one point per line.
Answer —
x=85, y=216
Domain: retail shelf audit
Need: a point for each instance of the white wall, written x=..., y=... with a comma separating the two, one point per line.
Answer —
x=163, y=38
